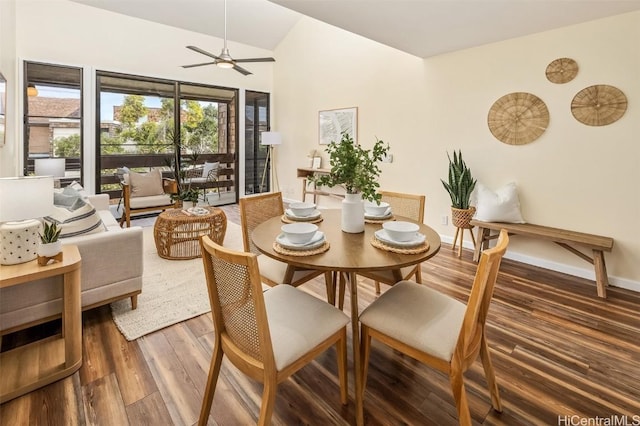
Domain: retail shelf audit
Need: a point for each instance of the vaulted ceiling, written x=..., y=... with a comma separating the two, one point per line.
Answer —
x=420, y=27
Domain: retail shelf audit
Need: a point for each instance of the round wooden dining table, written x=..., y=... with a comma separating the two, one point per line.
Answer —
x=347, y=254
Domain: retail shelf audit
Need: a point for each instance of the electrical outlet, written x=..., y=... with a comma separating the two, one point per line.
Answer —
x=444, y=220
x=387, y=158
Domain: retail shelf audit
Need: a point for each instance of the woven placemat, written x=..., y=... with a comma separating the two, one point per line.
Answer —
x=401, y=250
x=288, y=252
x=287, y=219
x=392, y=217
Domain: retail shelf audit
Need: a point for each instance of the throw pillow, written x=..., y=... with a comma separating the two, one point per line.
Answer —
x=501, y=205
x=77, y=188
x=83, y=220
x=147, y=184
x=208, y=167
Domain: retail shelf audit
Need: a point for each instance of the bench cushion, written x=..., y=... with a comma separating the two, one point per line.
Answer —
x=502, y=205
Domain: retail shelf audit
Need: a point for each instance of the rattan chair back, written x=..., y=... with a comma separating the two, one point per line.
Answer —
x=407, y=205
x=480, y=299
x=237, y=302
x=255, y=210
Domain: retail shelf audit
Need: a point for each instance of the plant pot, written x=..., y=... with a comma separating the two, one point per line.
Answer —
x=461, y=217
x=353, y=214
x=188, y=204
x=49, y=249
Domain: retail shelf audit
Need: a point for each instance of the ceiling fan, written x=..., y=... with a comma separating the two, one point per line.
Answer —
x=224, y=60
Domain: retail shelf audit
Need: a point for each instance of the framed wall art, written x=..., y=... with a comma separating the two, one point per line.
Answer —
x=332, y=123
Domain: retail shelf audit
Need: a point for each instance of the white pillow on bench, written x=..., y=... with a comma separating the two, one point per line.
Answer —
x=502, y=205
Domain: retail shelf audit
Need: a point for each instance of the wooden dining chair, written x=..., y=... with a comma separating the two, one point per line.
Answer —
x=268, y=336
x=438, y=329
x=254, y=211
x=402, y=204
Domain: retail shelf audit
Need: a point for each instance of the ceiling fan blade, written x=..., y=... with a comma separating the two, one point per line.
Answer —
x=255, y=60
x=199, y=65
x=241, y=70
x=204, y=52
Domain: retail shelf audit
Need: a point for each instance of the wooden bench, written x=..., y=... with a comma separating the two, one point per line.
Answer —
x=564, y=238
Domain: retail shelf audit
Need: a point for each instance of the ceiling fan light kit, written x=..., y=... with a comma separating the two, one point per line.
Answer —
x=225, y=60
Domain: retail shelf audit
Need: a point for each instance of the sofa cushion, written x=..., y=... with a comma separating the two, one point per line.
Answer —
x=146, y=184
x=83, y=220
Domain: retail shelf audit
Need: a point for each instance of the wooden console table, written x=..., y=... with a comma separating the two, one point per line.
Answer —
x=305, y=173
x=37, y=364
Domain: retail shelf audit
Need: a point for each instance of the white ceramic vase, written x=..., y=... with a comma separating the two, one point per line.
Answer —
x=49, y=249
x=353, y=213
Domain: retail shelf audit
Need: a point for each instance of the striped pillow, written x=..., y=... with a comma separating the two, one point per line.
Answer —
x=83, y=220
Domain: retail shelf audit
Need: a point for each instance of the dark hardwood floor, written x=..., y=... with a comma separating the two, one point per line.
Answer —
x=558, y=350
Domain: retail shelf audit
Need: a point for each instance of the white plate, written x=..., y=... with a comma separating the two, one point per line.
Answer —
x=382, y=235
x=316, y=241
x=386, y=215
x=314, y=215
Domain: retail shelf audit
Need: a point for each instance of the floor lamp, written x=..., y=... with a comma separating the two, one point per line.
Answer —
x=270, y=139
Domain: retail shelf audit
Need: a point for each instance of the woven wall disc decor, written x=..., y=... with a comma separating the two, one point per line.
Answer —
x=518, y=118
x=599, y=105
x=562, y=70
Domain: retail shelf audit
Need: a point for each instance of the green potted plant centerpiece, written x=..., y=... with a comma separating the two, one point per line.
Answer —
x=50, y=245
x=460, y=185
x=356, y=170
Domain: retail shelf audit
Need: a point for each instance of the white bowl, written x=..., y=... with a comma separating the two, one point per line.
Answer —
x=299, y=233
x=374, y=209
x=302, y=209
x=401, y=231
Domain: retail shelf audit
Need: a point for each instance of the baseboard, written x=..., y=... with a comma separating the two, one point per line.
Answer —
x=558, y=267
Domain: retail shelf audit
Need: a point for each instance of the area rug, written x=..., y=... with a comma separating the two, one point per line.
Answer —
x=172, y=290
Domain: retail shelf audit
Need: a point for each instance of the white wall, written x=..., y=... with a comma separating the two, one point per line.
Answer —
x=8, y=69
x=574, y=176
x=68, y=33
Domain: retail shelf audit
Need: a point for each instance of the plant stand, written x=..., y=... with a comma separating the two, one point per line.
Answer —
x=460, y=219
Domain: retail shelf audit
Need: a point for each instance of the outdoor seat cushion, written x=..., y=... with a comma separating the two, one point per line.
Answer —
x=145, y=184
x=298, y=322
x=418, y=316
x=150, y=201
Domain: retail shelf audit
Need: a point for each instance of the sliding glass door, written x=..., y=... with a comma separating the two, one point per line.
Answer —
x=138, y=118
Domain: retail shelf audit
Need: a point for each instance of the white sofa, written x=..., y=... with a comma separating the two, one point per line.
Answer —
x=112, y=269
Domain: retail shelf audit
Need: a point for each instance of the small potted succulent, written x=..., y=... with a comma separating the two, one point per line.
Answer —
x=50, y=245
x=356, y=170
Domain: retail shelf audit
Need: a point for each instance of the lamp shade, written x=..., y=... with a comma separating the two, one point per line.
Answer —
x=271, y=138
x=25, y=198
x=50, y=167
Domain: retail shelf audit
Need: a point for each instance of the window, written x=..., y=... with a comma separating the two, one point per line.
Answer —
x=53, y=117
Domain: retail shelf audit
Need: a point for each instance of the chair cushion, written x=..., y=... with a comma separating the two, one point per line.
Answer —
x=386, y=276
x=150, y=201
x=298, y=322
x=146, y=184
x=208, y=167
x=417, y=316
x=275, y=270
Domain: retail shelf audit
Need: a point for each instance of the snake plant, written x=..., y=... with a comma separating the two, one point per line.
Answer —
x=50, y=234
x=461, y=183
